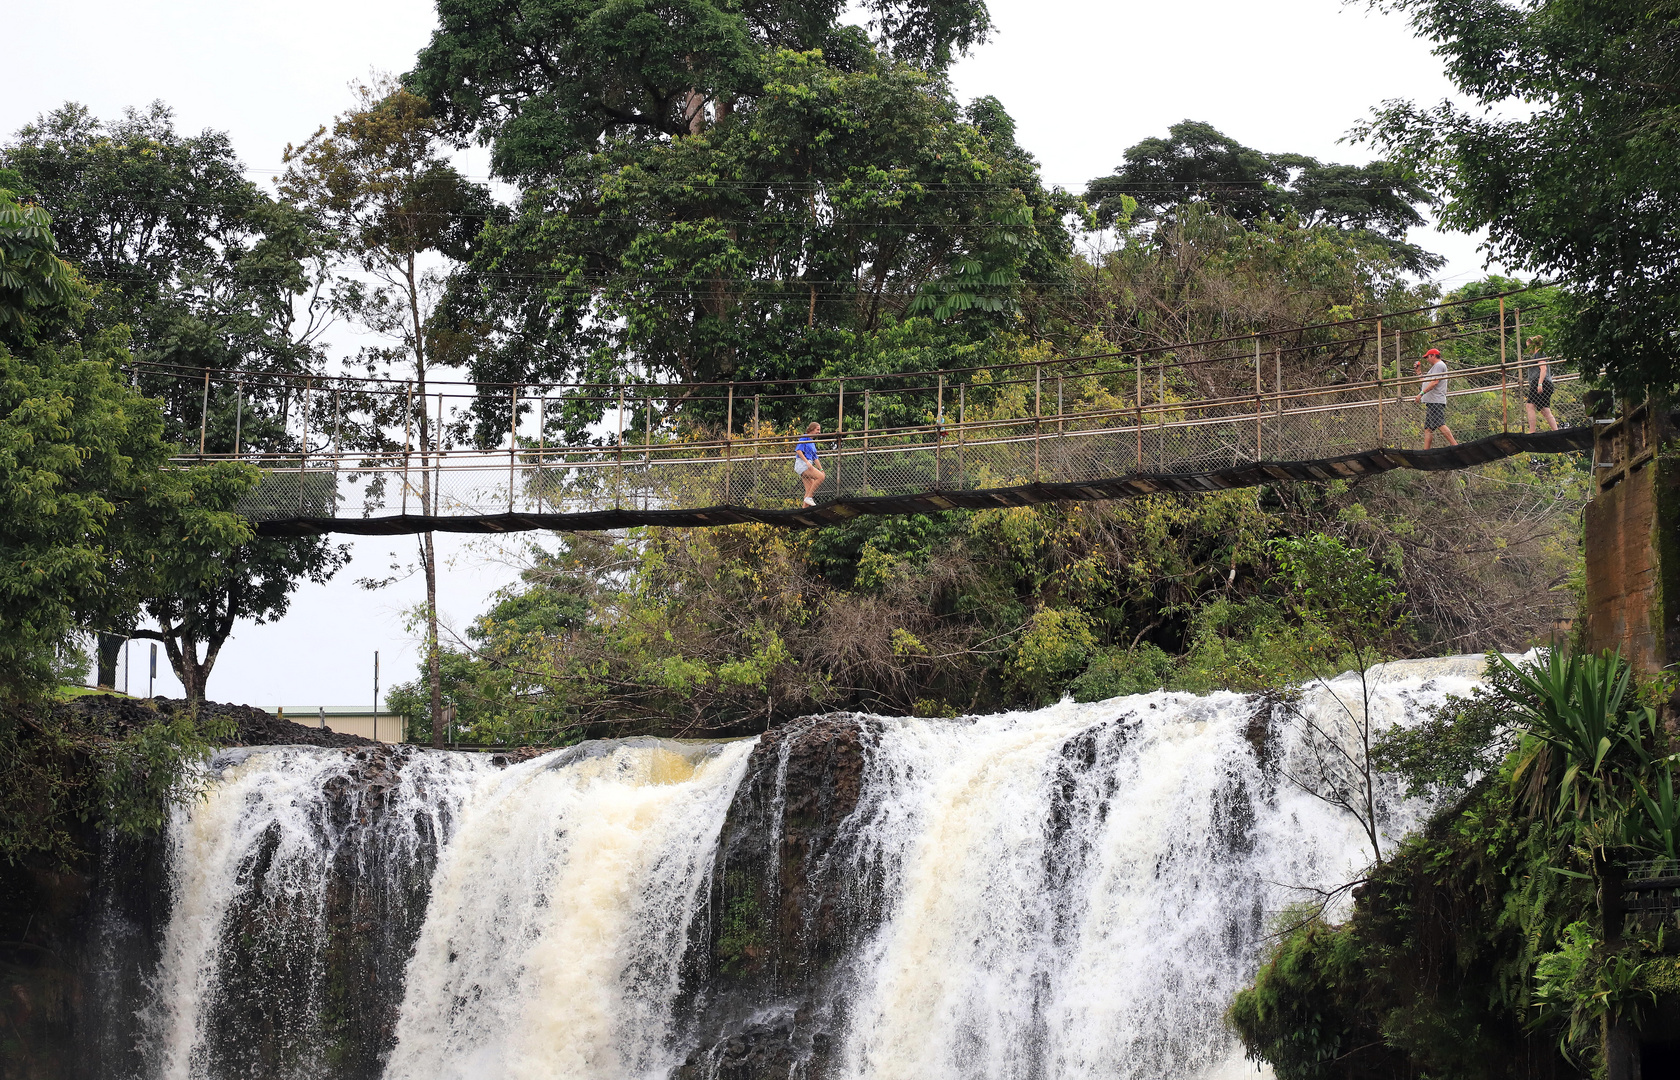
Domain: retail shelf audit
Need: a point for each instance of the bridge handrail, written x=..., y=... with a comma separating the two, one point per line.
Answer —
x=1151, y=415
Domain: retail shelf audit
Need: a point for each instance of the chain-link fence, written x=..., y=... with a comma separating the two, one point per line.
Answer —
x=1159, y=437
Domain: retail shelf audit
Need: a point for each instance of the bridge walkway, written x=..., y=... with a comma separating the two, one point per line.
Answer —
x=974, y=460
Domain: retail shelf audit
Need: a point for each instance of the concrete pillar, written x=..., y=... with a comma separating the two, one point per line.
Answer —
x=1632, y=540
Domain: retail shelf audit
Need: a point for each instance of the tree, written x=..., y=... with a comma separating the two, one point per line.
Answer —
x=1581, y=187
x=788, y=201
x=91, y=519
x=377, y=182
x=1352, y=614
x=546, y=82
x=1196, y=163
x=205, y=273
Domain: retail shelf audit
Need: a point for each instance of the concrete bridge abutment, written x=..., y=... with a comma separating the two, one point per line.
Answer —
x=1632, y=540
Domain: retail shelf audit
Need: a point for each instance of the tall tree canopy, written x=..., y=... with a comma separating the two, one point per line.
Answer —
x=543, y=81
x=91, y=521
x=1196, y=163
x=377, y=181
x=1583, y=185
x=723, y=192
x=199, y=270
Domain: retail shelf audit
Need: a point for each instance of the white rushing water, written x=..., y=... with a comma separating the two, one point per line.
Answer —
x=266, y=834
x=558, y=918
x=1069, y=892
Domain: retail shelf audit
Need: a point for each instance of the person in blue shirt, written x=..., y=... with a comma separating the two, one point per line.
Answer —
x=805, y=463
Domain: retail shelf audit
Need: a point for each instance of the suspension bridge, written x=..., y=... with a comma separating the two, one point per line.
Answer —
x=1199, y=417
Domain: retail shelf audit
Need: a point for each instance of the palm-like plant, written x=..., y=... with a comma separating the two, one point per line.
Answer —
x=1661, y=826
x=1575, y=722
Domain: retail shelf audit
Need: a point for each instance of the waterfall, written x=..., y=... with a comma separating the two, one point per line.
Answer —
x=294, y=882
x=557, y=921
x=1069, y=892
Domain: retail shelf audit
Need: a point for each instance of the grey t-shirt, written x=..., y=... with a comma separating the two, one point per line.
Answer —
x=1437, y=396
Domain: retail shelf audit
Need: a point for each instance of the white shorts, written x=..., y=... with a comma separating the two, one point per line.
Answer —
x=801, y=463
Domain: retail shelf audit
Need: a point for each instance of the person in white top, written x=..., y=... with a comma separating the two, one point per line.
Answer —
x=1433, y=398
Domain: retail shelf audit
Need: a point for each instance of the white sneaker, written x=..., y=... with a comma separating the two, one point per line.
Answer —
x=810, y=501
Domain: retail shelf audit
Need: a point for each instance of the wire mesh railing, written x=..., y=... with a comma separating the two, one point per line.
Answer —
x=1084, y=431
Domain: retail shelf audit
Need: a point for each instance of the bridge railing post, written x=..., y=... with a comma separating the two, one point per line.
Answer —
x=1038, y=414
x=238, y=415
x=1061, y=428
x=728, y=449
x=839, y=434
x=939, y=433
x=1259, y=406
x=1379, y=385
x=962, y=435
x=1137, y=364
x=513, y=443
x=1504, y=397
x=865, y=484
x=542, y=446
x=618, y=451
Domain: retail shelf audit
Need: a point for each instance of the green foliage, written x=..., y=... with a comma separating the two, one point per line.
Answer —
x=35, y=283
x=76, y=770
x=1341, y=589
x=843, y=215
x=191, y=266
x=1578, y=184
x=557, y=79
x=1056, y=643
x=1578, y=988
x=1430, y=974
x=1116, y=673
x=1197, y=163
x=199, y=265
x=1477, y=945
x=92, y=523
x=1458, y=742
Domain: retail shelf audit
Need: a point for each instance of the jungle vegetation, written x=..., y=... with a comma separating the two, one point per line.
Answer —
x=1479, y=948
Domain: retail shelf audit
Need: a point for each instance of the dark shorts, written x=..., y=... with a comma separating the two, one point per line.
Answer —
x=1434, y=415
x=1540, y=396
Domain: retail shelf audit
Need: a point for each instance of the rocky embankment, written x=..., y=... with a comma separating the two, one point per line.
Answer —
x=76, y=941
x=252, y=726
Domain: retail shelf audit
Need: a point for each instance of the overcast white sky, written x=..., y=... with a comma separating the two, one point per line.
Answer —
x=1084, y=79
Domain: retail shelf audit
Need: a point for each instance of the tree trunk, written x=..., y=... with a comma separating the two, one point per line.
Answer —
x=434, y=669
x=428, y=545
x=181, y=647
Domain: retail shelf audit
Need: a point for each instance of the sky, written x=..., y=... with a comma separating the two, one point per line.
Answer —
x=1084, y=79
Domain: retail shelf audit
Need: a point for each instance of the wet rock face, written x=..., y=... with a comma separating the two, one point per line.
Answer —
x=76, y=943
x=334, y=955
x=788, y=901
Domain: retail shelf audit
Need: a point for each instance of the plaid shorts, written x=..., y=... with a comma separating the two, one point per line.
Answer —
x=1434, y=415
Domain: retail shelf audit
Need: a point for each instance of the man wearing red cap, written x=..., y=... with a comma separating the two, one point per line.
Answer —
x=1433, y=397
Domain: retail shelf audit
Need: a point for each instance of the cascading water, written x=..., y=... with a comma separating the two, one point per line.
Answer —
x=1070, y=892
x=556, y=928
x=294, y=881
